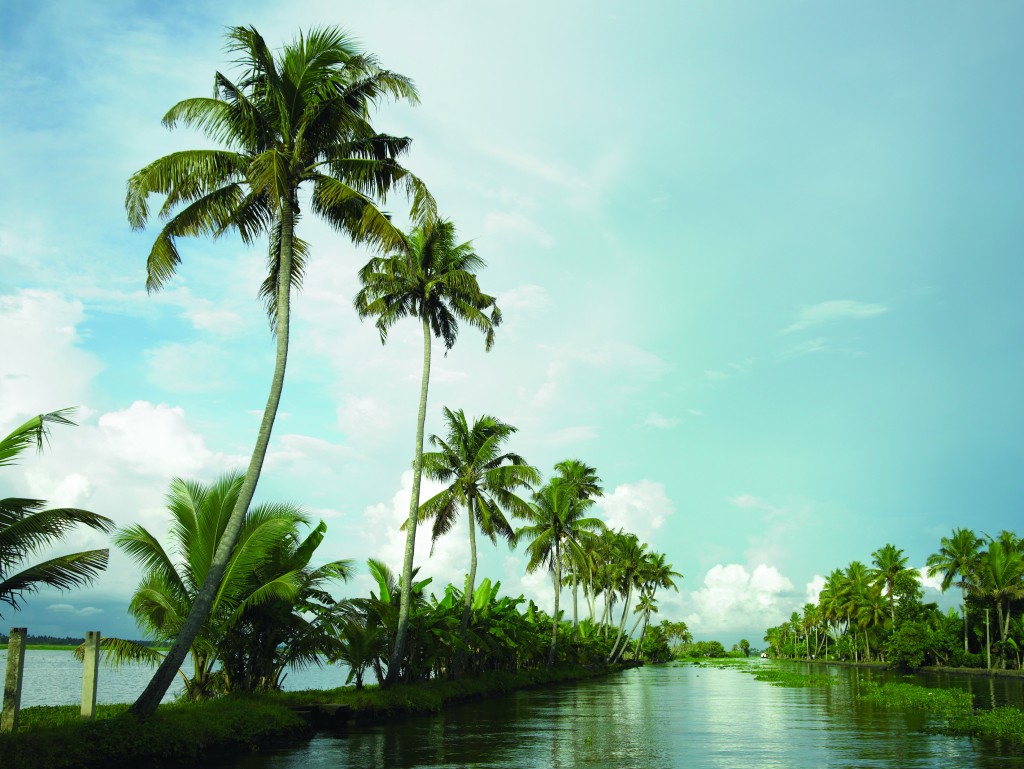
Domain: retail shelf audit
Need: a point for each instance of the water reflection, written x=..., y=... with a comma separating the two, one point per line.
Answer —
x=669, y=716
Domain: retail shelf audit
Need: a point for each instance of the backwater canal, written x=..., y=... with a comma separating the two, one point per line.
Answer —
x=667, y=716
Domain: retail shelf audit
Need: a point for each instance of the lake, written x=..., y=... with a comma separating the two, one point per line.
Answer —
x=55, y=678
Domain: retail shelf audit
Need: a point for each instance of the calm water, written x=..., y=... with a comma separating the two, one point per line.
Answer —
x=664, y=716
x=55, y=678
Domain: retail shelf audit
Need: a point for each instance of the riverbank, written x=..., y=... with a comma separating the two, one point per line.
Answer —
x=995, y=672
x=185, y=733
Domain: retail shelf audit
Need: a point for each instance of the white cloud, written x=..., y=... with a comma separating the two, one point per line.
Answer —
x=735, y=600
x=524, y=298
x=934, y=583
x=654, y=419
x=835, y=309
x=66, y=608
x=44, y=368
x=450, y=559
x=810, y=347
x=641, y=507
x=814, y=588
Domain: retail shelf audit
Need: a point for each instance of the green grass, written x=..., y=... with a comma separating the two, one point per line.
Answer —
x=903, y=696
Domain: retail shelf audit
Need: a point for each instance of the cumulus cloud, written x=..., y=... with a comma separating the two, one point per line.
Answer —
x=450, y=559
x=835, y=309
x=641, y=507
x=814, y=588
x=934, y=583
x=735, y=600
x=44, y=365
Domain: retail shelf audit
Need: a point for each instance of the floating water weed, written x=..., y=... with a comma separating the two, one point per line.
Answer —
x=901, y=696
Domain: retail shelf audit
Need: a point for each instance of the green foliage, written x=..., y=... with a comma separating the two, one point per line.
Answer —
x=904, y=696
x=178, y=735
x=705, y=649
x=1005, y=723
x=27, y=528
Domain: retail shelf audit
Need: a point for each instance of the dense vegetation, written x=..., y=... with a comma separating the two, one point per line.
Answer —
x=877, y=613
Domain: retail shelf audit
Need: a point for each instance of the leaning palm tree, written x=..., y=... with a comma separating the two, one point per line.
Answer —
x=558, y=528
x=629, y=553
x=481, y=480
x=957, y=562
x=297, y=116
x=433, y=279
x=26, y=527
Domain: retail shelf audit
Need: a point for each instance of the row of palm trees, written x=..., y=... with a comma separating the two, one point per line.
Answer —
x=299, y=118
x=866, y=612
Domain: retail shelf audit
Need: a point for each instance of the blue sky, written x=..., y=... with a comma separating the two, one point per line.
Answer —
x=759, y=264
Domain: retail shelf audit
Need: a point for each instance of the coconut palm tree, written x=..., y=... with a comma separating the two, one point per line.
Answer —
x=26, y=527
x=558, y=527
x=889, y=562
x=957, y=562
x=482, y=480
x=268, y=564
x=297, y=116
x=433, y=279
x=585, y=481
x=628, y=565
x=1000, y=580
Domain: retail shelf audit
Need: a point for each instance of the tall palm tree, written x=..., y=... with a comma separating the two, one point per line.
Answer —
x=587, y=484
x=173, y=578
x=558, y=526
x=656, y=573
x=889, y=562
x=26, y=527
x=1000, y=575
x=433, y=279
x=628, y=563
x=296, y=116
x=482, y=480
x=957, y=562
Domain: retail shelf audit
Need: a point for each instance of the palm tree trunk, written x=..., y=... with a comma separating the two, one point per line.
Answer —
x=558, y=590
x=398, y=653
x=150, y=698
x=963, y=593
x=467, y=608
x=643, y=634
x=616, y=652
x=575, y=605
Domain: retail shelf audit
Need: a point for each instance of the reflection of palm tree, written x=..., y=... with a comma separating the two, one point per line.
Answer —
x=26, y=527
x=558, y=527
x=434, y=280
x=297, y=117
x=957, y=562
x=482, y=480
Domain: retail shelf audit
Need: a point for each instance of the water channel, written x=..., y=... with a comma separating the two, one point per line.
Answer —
x=666, y=716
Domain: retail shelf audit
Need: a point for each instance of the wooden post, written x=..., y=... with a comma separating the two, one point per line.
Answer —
x=12, y=683
x=90, y=674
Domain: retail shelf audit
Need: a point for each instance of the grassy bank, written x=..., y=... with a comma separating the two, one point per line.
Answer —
x=183, y=734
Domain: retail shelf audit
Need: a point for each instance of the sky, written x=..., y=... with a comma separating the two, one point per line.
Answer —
x=759, y=264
